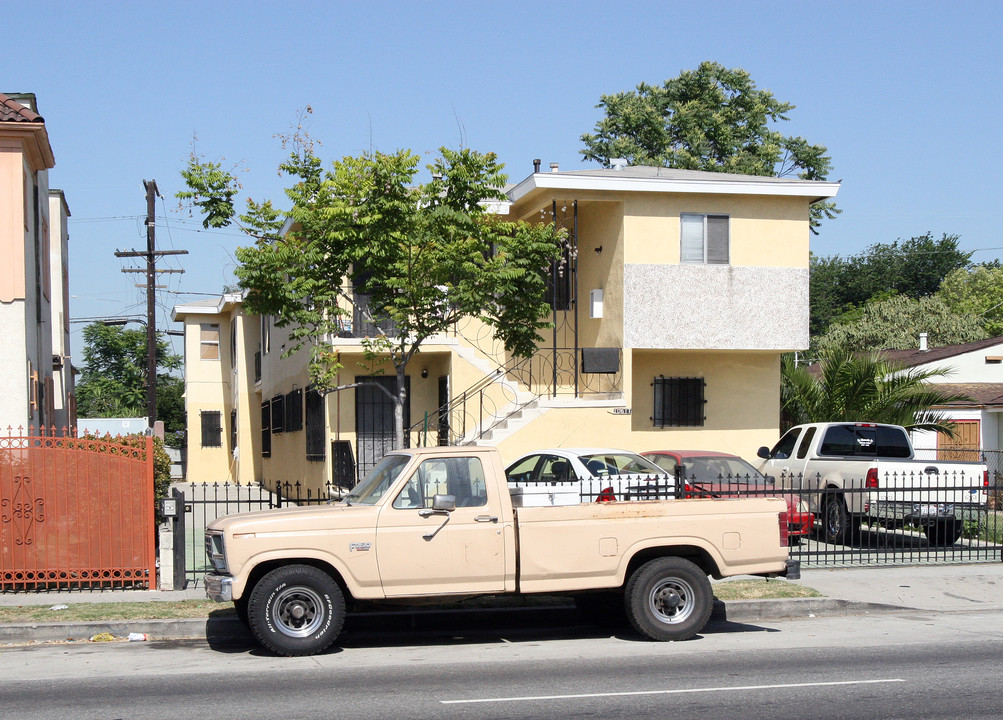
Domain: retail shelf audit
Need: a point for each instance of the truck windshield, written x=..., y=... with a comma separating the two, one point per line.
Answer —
x=378, y=481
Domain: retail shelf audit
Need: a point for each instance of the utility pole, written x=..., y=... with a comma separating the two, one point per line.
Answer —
x=151, y=256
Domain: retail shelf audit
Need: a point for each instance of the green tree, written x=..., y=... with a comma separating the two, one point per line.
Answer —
x=863, y=387
x=713, y=119
x=425, y=254
x=976, y=292
x=113, y=377
x=840, y=287
x=895, y=323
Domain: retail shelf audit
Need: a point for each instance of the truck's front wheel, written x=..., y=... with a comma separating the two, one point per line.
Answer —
x=296, y=610
x=669, y=598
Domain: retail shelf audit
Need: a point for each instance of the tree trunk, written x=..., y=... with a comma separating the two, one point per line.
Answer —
x=399, y=408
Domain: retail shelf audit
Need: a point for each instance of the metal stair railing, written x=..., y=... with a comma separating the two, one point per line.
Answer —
x=472, y=413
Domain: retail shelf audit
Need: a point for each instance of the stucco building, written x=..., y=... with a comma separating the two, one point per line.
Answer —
x=37, y=389
x=682, y=290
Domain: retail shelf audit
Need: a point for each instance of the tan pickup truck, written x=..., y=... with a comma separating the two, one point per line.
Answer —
x=440, y=523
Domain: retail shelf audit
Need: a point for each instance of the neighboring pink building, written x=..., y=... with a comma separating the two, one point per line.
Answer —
x=37, y=388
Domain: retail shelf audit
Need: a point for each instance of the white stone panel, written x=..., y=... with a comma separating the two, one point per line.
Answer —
x=715, y=307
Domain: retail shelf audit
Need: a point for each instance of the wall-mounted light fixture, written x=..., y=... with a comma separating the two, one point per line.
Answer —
x=424, y=372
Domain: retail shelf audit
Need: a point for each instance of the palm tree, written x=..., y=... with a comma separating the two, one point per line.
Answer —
x=857, y=387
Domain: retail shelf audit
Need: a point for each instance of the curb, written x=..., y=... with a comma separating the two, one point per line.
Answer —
x=228, y=626
x=754, y=610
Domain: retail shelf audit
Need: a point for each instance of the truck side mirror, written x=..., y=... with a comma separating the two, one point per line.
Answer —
x=444, y=503
x=764, y=452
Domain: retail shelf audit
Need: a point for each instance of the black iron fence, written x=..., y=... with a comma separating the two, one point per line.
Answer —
x=204, y=502
x=905, y=520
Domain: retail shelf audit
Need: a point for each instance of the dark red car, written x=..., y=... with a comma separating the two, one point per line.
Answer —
x=716, y=474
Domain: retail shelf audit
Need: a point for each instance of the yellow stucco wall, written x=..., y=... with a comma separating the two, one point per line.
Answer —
x=763, y=231
x=742, y=408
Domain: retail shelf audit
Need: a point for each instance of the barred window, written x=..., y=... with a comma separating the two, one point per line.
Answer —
x=314, y=425
x=266, y=429
x=212, y=428
x=278, y=413
x=294, y=410
x=678, y=402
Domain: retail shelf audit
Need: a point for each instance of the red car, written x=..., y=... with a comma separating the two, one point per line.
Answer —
x=715, y=474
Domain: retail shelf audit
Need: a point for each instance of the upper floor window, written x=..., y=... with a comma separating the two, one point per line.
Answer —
x=209, y=341
x=703, y=239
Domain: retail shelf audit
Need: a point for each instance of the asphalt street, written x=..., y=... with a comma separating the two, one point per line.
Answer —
x=905, y=664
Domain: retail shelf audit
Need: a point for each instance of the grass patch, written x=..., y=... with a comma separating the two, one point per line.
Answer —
x=85, y=612
x=761, y=589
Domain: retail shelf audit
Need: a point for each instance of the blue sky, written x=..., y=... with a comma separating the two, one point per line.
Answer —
x=905, y=95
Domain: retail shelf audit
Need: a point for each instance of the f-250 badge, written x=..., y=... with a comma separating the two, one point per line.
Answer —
x=360, y=546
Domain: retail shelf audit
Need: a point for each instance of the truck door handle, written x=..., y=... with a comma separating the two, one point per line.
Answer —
x=486, y=518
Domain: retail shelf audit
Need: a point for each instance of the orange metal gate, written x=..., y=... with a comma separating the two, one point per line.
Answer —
x=76, y=513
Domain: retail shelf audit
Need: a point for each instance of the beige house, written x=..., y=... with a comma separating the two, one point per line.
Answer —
x=682, y=290
x=34, y=282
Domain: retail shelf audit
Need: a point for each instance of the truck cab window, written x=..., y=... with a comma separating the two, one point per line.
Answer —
x=785, y=448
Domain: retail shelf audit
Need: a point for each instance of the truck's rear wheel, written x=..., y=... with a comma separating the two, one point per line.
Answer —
x=669, y=598
x=296, y=610
x=838, y=525
x=943, y=532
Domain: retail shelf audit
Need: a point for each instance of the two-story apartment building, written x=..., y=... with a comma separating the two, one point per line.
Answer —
x=34, y=298
x=671, y=309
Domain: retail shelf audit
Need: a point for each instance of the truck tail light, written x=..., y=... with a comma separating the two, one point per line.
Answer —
x=985, y=479
x=872, y=479
x=784, y=530
x=606, y=495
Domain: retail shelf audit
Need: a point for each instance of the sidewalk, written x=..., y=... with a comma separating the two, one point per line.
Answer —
x=846, y=591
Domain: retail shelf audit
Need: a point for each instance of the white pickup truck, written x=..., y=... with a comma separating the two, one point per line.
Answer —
x=853, y=472
x=439, y=523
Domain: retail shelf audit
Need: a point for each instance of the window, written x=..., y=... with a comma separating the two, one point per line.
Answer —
x=266, y=429
x=785, y=448
x=278, y=413
x=209, y=341
x=266, y=334
x=703, y=239
x=212, y=428
x=461, y=477
x=865, y=441
x=678, y=402
x=233, y=429
x=294, y=410
x=314, y=425
x=233, y=342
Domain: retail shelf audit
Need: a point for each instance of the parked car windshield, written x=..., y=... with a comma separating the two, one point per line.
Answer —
x=712, y=468
x=602, y=464
x=378, y=481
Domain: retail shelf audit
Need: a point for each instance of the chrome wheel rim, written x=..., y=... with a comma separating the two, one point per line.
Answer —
x=298, y=611
x=671, y=601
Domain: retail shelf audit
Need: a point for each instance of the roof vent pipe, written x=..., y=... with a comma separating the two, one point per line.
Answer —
x=553, y=167
x=922, y=342
x=536, y=165
x=618, y=163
